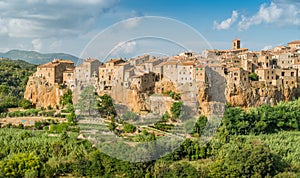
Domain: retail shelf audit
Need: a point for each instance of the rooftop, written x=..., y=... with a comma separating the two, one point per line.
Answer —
x=295, y=42
x=55, y=63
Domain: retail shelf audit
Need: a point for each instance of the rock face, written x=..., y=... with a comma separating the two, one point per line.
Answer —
x=41, y=94
x=137, y=100
x=253, y=96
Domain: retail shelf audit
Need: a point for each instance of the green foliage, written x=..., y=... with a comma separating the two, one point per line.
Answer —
x=106, y=106
x=176, y=109
x=72, y=119
x=178, y=170
x=129, y=128
x=88, y=103
x=13, y=80
x=25, y=104
x=253, y=77
x=238, y=159
x=200, y=125
x=66, y=98
x=263, y=119
x=173, y=95
x=58, y=128
x=20, y=165
x=161, y=125
x=144, y=136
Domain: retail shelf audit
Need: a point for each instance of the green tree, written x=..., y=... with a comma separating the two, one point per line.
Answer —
x=129, y=128
x=176, y=109
x=72, y=118
x=88, y=103
x=200, y=125
x=66, y=98
x=24, y=103
x=246, y=160
x=106, y=106
x=253, y=77
x=20, y=165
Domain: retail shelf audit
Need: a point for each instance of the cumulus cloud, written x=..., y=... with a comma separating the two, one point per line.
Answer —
x=37, y=44
x=50, y=17
x=280, y=12
x=226, y=24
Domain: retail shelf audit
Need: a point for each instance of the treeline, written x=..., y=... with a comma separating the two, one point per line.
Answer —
x=14, y=75
x=285, y=116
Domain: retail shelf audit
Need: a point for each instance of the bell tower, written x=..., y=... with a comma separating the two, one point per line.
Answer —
x=236, y=44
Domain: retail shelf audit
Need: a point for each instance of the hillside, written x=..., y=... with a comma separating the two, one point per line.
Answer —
x=13, y=79
x=35, y=57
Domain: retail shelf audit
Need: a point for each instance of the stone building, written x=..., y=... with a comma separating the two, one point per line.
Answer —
x=185, y=72
x=199, y=73
x=284, y=60
x=266, y=61
x=294, y=44
x=69, y=77
x=266, y=75
x=238, y=76
x=87, y=72
x=236, y=44
x=170, y=70
x=107, y=73
x=53, y=71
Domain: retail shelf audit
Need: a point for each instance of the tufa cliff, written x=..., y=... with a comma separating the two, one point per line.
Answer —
x=41, y=94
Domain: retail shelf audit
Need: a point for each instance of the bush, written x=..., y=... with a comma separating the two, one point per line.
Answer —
x=129, y=128
x=26, y=104
x=58, y=128
x=176, y=109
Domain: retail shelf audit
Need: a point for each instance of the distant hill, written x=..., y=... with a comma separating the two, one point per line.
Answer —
x=35, y=57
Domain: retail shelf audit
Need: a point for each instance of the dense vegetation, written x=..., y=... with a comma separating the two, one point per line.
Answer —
x=235, y=151
x=14, y=75
x=257, y=142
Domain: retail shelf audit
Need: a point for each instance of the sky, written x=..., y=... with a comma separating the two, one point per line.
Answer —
x=70, y=26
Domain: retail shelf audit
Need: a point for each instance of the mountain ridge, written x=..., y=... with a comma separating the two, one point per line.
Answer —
x=34, y=57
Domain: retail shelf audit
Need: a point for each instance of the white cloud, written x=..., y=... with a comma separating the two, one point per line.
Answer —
x=131, y=23
x=44, y=18
x=124, y=48
x=226, y=24
x=37, y=44
x=268, y=47
x=280, y=12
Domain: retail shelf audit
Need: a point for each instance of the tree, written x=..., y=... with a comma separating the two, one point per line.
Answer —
x=176, y=109
x=24, y=103
x=20, y=165
x=253, y=77
x=72, y=118
x=88, y=103
x=129, y=128
x=106, y=106
x=66, y=98
x=200, y=125
x=237, y=159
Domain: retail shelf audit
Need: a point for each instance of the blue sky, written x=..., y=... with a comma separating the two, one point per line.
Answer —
x=68, y=26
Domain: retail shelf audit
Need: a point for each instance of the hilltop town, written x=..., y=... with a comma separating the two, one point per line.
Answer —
x=237, y=76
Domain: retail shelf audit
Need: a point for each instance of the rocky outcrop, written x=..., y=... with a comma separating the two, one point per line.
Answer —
x=256, y=96
x=137, y=100
x=41, y=94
